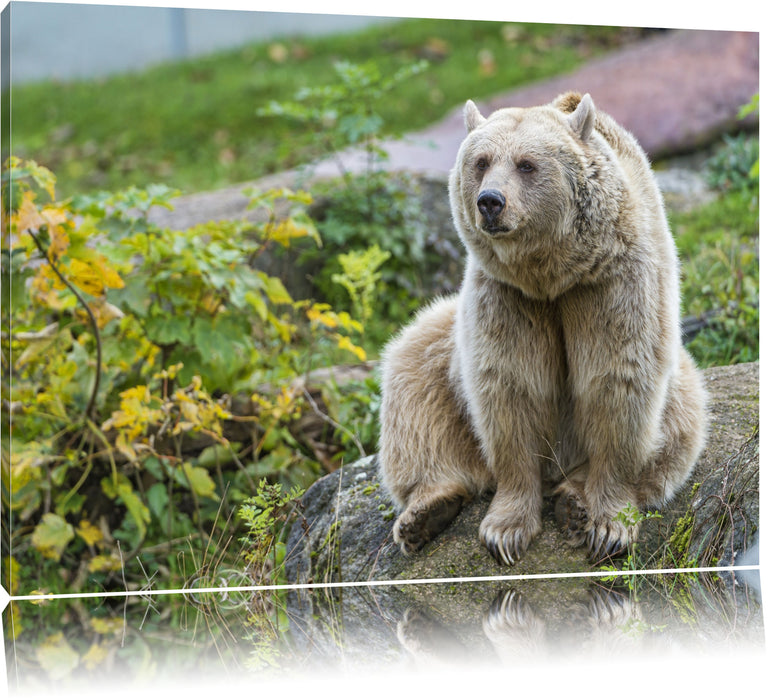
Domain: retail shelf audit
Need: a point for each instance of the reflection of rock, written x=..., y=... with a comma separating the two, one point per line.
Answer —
x=345, y=531
x=516, y=622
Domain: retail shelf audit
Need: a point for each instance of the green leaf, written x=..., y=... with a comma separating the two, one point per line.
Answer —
x=165, y=330
x=43, y=177
x=123, y=492
x=133, y=297
x=52, y=535
x=217, y=454
x=157, y=500
x=216, y=339
x=275, y=289
x=200, y=480
x=14, y=296
x=257, y=303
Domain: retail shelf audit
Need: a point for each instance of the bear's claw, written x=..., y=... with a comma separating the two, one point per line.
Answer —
x=506, y=544
x=606, y=540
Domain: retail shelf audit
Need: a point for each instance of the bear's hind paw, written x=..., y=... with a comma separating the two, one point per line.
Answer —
x=604, y=538
x=571, y=516
x=424, y=520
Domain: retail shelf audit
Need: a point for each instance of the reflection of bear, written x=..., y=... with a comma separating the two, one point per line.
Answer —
x=561, y=357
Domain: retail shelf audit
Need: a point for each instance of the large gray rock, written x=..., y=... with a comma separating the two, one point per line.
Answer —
x=344, y=533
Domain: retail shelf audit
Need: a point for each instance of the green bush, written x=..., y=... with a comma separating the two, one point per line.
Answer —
x=370, y=209
x=149, y=376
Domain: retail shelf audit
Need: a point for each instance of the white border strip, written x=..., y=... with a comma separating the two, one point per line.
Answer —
x=391, y=582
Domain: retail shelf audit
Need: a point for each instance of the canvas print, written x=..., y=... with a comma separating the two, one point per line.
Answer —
x=390, y=340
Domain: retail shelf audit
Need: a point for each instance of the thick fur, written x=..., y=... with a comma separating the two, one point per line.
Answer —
x=560, y=361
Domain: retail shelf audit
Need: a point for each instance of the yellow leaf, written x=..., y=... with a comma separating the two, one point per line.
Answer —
x=286, y=230
x=346, y=343
x=28, y=217
x=170, y=373
x=59, y=238
x=46, y=289
x=14, y=629
x=135, y=414
x=199, y=480
x=56, y=657
x=26, y=463
x=104, y=312
x=104, y=563
x=90, y=533
x=349, y=323
x=107, y=625
x=40, y=601
x=124, y=445
x=47, y=332
x=39, y=343
x=94, y=276
x=95, y=656
x=323, y=316
x=190, y=412
x=11, y=580
x=52, y=535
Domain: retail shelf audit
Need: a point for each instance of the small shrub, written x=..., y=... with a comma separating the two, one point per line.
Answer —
x=735, y=166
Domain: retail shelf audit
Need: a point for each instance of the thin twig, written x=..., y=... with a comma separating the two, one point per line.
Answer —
x=98, y=370
x=328, y=419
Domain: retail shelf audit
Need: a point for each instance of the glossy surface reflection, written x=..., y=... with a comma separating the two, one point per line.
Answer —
x=107, y=643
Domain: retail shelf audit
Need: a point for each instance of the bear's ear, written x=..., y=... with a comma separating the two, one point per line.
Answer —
x=472, y=116
x=582, y=119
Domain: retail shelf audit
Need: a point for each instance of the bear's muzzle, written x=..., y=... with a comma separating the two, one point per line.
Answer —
x=490, y=204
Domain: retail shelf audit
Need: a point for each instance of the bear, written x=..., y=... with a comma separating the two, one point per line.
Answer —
x=557, y=369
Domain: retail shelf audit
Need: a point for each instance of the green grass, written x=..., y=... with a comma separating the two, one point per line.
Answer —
x=718, y=246
x=193, y=125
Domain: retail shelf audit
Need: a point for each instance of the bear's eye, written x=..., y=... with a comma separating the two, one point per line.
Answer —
x=482, y=164
x=525, y=166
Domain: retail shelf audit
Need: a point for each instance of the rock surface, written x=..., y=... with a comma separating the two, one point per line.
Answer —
x=344, y=531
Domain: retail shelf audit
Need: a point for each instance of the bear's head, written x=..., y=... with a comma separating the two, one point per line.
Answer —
x=527, y=188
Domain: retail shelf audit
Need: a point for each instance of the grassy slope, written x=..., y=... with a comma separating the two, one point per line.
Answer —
x=193, y=124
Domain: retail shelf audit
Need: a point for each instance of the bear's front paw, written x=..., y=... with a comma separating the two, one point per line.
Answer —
x=507, y=540
x=606, y=538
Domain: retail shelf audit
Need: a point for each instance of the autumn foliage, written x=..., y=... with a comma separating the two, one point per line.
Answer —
x=126, y=350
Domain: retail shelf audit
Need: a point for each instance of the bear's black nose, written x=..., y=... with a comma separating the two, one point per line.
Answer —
x=491, y=203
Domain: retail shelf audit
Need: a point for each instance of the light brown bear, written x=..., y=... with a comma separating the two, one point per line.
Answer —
x=559, y=365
